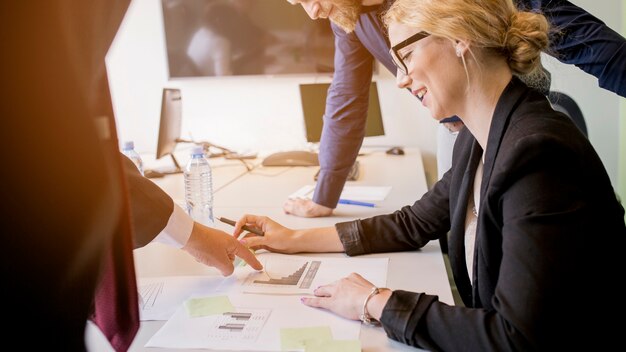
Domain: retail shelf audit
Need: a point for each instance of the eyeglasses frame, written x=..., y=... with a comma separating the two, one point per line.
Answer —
x=395, y=56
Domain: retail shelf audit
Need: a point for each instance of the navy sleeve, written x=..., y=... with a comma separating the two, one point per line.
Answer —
x=585, y=41
x=345, y=116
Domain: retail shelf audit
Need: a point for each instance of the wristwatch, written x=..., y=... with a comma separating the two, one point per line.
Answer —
x=365, y=316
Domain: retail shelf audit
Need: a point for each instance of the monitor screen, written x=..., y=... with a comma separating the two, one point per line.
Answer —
x=313, y=97
x=244, y=37
x=171, y=120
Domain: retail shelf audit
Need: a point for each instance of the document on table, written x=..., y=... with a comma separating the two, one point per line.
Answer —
x=359, y=193
x=159, y=297
x=257, y=328
x=292, y=274
x=265, y=303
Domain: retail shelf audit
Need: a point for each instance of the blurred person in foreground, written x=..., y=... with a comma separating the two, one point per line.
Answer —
x=70, y=197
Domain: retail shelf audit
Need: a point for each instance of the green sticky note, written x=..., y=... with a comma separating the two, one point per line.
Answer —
x=199, y=307
x=333, y=346
x=296, y=338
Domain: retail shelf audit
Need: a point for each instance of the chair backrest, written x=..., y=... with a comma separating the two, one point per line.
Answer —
x=565, y=104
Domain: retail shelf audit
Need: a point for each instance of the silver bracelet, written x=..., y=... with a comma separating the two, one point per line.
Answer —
x=365, y=316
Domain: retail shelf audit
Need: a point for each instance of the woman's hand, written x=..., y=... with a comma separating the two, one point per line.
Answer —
x=277, y=238
x=346, y=296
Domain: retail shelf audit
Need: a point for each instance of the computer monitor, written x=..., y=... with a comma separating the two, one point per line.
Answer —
x=313, y=97
x=169, y=130
x=171, y=120
x=169, y=135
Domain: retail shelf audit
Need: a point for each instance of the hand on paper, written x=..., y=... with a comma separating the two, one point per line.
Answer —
x=345, y=297
x=306, y=208
x=277, y=238
x=216, y=248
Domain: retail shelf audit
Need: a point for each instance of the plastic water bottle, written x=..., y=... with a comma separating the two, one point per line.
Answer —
x=129, y=150
x=199, y=187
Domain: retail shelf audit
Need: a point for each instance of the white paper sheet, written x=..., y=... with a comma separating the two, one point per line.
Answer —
x=181, y=331
x=360, y=193
x=159, y=297
x=281, y=298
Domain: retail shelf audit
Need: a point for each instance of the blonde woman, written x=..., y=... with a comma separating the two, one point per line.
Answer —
x=535, y=228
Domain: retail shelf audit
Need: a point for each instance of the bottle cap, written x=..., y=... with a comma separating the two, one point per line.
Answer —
x=128, y=145
x=197, y=150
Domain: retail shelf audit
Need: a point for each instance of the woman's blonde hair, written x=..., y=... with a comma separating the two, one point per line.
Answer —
x=494, y=25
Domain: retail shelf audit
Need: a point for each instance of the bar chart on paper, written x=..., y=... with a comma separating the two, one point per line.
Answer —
x=283, y=275
x=242, y=325
x=262, y=309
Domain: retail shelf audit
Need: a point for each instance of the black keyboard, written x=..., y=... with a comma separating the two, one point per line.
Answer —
x=353, y=175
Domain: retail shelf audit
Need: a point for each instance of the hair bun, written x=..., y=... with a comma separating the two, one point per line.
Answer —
x=526, y=38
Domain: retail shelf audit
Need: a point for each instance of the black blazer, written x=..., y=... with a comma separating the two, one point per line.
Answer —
x=549, y=234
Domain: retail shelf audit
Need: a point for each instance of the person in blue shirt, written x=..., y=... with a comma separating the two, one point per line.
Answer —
x=360, y=37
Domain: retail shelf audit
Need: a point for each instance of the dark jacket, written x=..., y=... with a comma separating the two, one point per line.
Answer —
x=549, y=234
x=63, y=193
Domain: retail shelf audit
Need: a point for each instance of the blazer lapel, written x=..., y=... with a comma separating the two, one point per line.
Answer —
x=510, y=99
x=508, y=102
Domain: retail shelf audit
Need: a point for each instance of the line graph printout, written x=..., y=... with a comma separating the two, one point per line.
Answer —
x=293, y=274
x=149, y=294
x=159, y=297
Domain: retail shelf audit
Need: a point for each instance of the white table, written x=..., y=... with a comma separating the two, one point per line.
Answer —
x=263, y=191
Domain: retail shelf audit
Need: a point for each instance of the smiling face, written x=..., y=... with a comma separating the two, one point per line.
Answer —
x=435, y=74
x=344, y=13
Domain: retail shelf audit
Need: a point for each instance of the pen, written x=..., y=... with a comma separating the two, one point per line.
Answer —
x=240, y=262
x=356, y=202
x=244, y=227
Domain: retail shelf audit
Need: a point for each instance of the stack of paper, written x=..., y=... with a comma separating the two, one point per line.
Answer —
x=256, y=311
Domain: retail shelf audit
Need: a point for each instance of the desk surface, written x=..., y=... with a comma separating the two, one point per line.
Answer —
x=263, y=191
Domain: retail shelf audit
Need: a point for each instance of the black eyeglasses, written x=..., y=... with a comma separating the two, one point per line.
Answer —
x=394, y=51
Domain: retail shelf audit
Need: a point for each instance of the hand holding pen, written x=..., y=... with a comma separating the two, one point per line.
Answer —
x=276, y=238
x=238, y=261
x=244, y=227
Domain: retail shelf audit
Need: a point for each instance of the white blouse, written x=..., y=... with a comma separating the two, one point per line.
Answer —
x=471, y=217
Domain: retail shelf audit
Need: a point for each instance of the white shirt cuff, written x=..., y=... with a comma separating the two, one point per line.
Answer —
x=178, y=229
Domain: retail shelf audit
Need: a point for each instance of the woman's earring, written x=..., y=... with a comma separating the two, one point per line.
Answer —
x=458, y=52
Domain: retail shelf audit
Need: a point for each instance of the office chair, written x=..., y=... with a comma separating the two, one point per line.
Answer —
x=565, y=104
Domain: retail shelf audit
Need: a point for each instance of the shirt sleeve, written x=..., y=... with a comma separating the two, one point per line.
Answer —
x=583, y=40
x=409, y=228
x=403, y=315
x=345, y=116
x=151, y=207
x=178, y=229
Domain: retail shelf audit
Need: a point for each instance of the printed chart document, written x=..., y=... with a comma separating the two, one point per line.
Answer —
x=265, y=303
x=159, y=297
x=291, y=274
x=359, y=193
